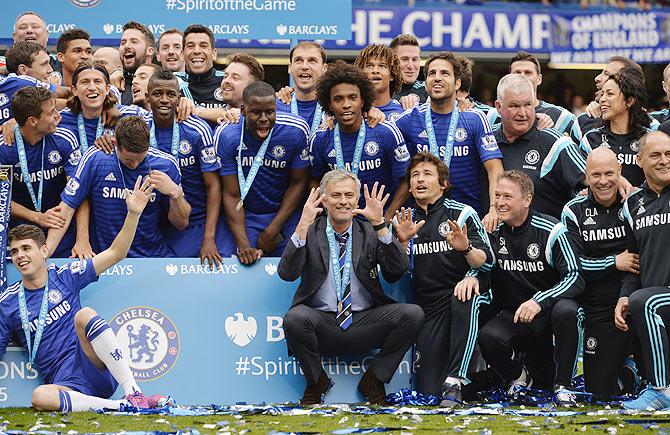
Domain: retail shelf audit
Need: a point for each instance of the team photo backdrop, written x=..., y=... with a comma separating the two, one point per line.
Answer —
x=203, y=336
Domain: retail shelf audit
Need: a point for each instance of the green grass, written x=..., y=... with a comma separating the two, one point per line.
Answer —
x=25, y=419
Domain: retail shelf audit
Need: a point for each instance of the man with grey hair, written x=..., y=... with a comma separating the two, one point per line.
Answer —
x=663, y=115
x=31, y=26
x=340, y=307
x=549, y=158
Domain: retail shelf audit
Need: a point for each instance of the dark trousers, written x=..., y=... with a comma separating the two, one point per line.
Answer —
x=605, y=348
x=501, y=338
x=650, y=311
x=567, y=323
x=392, y=328
x=446, y=342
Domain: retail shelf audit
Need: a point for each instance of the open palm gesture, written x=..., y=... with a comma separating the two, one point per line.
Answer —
x=374, y=204
x=138, y=198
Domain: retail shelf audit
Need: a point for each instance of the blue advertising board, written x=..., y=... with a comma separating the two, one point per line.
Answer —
x=306, y=19
x=203, y=337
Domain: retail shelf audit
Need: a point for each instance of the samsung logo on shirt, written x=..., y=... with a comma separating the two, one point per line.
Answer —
x=120, y=193
x=54, y=314
x=603, y=234
x=652, y=220
x=459, y=151
x=268, y=163
x=521, y=265
x=363, y=165
x=36, y=176
x=431, y=247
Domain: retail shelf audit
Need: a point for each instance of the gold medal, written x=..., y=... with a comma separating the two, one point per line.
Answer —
x=239, y=205
x=29, y=366
x=339, y=307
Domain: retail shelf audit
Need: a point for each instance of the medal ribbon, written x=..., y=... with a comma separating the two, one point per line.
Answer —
x=175, y=138
x=41, y=322
x=23, y=161
x=451, y=134
x=358, y=151
x=83, y=142
x=245, y=183
x=341, y=281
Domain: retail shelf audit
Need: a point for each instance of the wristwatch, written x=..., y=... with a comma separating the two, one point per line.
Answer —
x=467, y=250
x=378, y=227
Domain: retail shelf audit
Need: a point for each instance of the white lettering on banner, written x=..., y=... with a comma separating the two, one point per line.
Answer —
x=257, y=365
x=59, y=28
x=16, y=370
x=275, y=330
x=119, y=269
x=188, y=6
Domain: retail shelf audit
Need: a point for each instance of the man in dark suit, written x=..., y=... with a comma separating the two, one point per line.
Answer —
x=342, y=310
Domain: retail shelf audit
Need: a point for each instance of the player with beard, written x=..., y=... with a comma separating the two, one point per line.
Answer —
x=307, y=63
x=51, y=154
x=265, y=170
x=74, y=49
x=623, y=122
x=445, y=235
x=429, y=126
x=170, y=50
x=413, y=91
x=374, y=154
x=136, y=48
x=103, y=178
x=190, y=142
x=382, y=67
x=202, y=80
x=74, y=349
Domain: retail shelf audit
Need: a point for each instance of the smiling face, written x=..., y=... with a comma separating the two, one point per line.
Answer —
x=424, y=183
x=612, y=102
x=40, y=68
x=306, y=68
x=341, y=200
x=48, y=120
x=28, y=257
x=602, y=175
x=511, y=204
x=441, y=83
x=260, y=114
x=654, y=159
x=163, y=98
x=610, y=69
x=170, y=52
x=199, y=54
x=91, y=88
x=30, y=28
x=346, y=104
x=410, y=62
x=236, y=77
x=133, y=49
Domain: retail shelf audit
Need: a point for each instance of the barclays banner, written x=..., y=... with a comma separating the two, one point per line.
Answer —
x=307, y=19
x=202, y=336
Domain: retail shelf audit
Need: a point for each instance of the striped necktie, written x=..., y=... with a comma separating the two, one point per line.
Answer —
x=344, y=318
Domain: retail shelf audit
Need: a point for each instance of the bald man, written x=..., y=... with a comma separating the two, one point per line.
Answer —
x=110, y=59
x=596, y=228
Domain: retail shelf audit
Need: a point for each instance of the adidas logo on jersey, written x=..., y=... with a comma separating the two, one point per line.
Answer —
x=423, y=134
x=331, y=153
x=503, y=250
x=110, y=177
x=641, y=210
x=589, y=221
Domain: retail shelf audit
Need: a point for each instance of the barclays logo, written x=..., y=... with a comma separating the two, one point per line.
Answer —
x=240, y=330
x=270, y=269
x=173, y=269
x=149, y=339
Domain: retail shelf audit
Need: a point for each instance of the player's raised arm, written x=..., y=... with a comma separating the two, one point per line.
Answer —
x=136, y=200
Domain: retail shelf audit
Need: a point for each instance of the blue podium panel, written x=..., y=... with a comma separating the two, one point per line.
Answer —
x=203, y=336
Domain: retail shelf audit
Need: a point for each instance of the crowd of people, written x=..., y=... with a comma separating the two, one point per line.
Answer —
x=527, y=232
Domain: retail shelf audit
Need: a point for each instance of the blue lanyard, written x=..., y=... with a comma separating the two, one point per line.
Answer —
x=175, y=138
x=318, y=114
x=451, y=135
x=83, y=142
x=41, y=322
x=341, y=281
x=245, y=183
x=123, y=178
x=23, y=161
x=339, y=158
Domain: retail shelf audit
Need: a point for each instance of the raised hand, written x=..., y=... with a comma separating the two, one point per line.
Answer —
x=374, y=204
x=311, y=209
x=138, y=198
x=404, y=226
x=458, y=237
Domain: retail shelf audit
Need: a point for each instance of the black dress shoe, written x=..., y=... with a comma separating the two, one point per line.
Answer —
x=314, y=393
x=372, y=388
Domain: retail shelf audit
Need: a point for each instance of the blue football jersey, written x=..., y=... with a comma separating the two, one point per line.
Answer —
x=8, y=87
x=287, y=150
x=59, y=338
x=474, y=144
